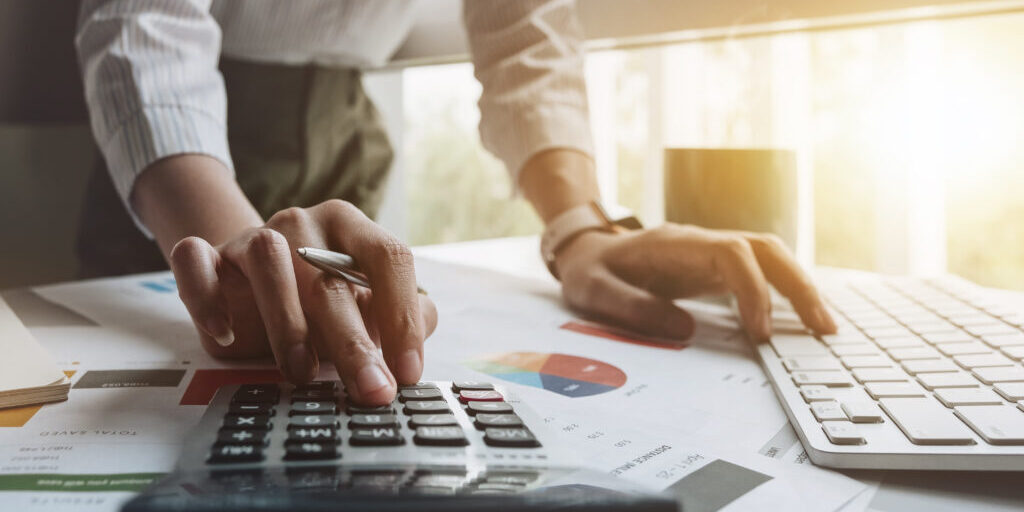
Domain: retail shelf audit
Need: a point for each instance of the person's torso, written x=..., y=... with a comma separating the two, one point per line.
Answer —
x=348, y=33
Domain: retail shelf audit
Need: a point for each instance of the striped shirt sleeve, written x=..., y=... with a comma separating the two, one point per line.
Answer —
x=151, y=83
x=528, y=57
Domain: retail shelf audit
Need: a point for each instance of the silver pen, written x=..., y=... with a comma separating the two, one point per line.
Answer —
x=339, y=265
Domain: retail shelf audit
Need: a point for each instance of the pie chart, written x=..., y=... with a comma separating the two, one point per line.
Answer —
x=565, y=374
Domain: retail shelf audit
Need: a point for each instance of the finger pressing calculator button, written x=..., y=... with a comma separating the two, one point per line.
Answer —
x=510, y=437
x=229, y=453
x=432, y=420
x=313, y=407
x=489, y=408
x=310, y=451
x=458, y=386
x=373, y=420
x=320, y=434
x=440, y=436
x=324, y=385
x=383, y=436
x=358, y=409
x=484, y=421
x=426, y=407
x=263, y=409
x=406, y=395
x=247, y=421
x=312, y=420
x=471, y=395
x=256, y=393
x=242, y=436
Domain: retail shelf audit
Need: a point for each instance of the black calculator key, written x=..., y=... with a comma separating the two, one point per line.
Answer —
x=483, y=420
x=432, y=420
x=256, y=393
x=419, y=385
x=489, y=408
x=229, y=453
x=373, y=420
x=242, y=436
x=325, y=385
x=359, y=409
x=440, y=436
x=406, y=395
x=426, y=407
x=310, y=450
x=256, y=408
x=247, y=421
x=313, y=407
x=318, y=434
x=474, y=395
x=378, y=436
x=520, y=478
x=312, y=420
x=309, y=395
x=458, y=386
x=510, y=437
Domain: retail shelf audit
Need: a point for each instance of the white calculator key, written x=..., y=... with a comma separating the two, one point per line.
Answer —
x=824, y=378
x=862, y=412
x=879, y=375
x=998, y=424
x=811, y=363
x=947, y=380
x=842, y=432
x=879, y=390
x=830, y=410
x=1000, y=374
x=925, y=421
x=1012, y=391
x=916, y=366
x=816, y=393
x=952, y=397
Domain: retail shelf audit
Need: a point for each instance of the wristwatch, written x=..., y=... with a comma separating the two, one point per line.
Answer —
x=592, y=216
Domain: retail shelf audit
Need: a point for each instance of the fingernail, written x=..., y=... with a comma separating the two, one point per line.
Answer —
x=218, y=328
x=409, y=366
x=371, y=378
x=300, y=363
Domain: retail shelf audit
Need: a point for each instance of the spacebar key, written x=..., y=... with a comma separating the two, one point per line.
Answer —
x=925, y=421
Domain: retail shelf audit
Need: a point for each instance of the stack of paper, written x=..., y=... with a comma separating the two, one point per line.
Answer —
x=27, y=373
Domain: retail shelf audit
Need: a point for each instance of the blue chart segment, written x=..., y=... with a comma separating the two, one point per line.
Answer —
x=565, y=374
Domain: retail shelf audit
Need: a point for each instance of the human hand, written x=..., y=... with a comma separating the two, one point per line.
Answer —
x=253, y=295
x=631, y=278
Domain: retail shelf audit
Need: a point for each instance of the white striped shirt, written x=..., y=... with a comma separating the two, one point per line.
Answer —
x=153, y=88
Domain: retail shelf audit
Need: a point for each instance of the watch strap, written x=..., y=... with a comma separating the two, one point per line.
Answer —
x=566, y=226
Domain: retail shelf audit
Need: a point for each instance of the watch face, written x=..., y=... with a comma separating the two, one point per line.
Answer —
x=618, y=215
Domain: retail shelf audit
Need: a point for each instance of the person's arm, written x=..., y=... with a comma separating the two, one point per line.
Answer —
x=528, y=57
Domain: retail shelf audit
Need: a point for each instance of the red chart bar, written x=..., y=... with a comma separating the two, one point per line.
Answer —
x=205, y=383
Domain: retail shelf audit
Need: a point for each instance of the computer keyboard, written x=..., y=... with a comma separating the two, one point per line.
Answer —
x=444, y=446
x=923, y=374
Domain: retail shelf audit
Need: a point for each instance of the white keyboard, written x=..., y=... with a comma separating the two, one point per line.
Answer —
x=923, y=374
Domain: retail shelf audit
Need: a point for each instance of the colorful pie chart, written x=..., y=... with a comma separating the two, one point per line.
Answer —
x=567, y=375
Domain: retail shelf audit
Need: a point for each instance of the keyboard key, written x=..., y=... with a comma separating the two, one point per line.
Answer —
x=483, y=421
x=262, y=409
x=900, y=342
x=844, y=339
x=952, y=397
x=382, y=436
x=947, y=337
x=811, y=363
x=242, y=436
x=887, y=332
x=1011, y=391
x=916, y=366
x=373, y=420
x=432, y=420
x=458, y=386
x=510, y=437
x=956, y=349
x=830, y=410
x=256, y=393
x=926, y=422
x=1004, y=340
x=313, y=407
x=947, y=380
x=852, y=362
x=824, y=378
x=470, y=395
x=440, y=436
x=993, y=329
x=420, y=394
x=905, y=354
x=816, y=393
x=997, y=424
x=474, y=408
x=319, y=434
x=426, y=407
x=1015, y=352
x=862, y=412
x=842, y=432
x=247, y=421
x=787, y=345
x=310, y=451
x=235, y=453
x=863, y=349
x=879, y=375
x=932, y=327
x=970, y=361
x=879, y=390
x=313, y=420
x=359, y=409
x=1000, y=374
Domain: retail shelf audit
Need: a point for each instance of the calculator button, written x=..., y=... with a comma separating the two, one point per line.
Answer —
x=510, y=437
x=406, y=395
x=419, y=385
x=243, y=436
x=426, y=407
x=489, y=408
x=256, y=393
x=229, y=453
x=247, y=421
x=258, y=408
x=382, y=436
x=440, y=436
x=313, y=407
x=497, y=420
x=324, y=385
x=312, y=420
x=358, y=409
x=518, y=478
x=432, y=420
x=309, y=395
x=373, y=420
x=495, y=486
x=320, y=434
x=458, y=386
x=470, y=395
x=310, y=450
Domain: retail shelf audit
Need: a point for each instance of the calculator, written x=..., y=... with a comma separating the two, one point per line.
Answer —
x=444, y=446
